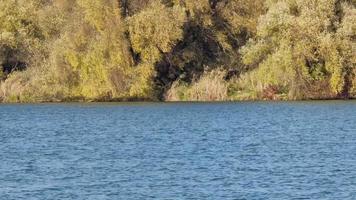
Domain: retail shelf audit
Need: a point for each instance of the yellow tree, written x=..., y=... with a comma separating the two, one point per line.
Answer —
x=298, y=49
x=153, y=32
x=20, y=34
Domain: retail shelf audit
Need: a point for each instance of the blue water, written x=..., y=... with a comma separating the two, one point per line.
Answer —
x=261, y=150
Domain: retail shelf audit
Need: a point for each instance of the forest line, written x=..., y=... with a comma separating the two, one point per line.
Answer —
x=177, y=50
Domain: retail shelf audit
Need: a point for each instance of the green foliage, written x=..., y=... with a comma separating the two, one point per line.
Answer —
x=143, y=85
x=153, y=32
x=92, y=62
x=241, y=15
x=156, y=30
x=20, y=36
x=63, y=50
x=298, y=46
x=99, y=52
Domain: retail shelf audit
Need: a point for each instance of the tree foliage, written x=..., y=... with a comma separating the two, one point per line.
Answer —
x=301, y=45
x=57, y=50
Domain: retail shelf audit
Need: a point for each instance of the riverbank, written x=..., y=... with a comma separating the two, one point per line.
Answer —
x=188, y=50
x=138, y=100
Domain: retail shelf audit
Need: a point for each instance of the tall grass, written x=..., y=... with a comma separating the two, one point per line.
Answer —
x=211, y=86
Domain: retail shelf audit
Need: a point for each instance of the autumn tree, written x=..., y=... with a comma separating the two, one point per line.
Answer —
x=20, y=34
x=56, y=50
x=153, y=32
x=301, y=49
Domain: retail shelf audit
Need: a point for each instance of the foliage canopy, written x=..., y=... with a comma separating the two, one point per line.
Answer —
x=59, y=50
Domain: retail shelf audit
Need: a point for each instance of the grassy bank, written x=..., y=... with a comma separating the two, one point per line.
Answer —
x=211, y=86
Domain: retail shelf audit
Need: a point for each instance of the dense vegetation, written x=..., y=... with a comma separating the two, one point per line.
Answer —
x=68, y=50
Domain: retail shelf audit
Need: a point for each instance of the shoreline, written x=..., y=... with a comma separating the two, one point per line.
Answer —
x=168, y=102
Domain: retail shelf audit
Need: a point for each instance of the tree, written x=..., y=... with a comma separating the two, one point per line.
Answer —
x=20, y=34
x=298, y=48
x=153, y=32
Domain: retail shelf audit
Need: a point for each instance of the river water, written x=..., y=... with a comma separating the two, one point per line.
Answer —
x=248, y=150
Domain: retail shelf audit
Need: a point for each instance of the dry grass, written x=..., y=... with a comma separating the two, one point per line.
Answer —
x=26, y=86
x=210, y=87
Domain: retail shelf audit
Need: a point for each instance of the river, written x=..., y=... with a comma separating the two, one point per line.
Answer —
x=245, y=150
